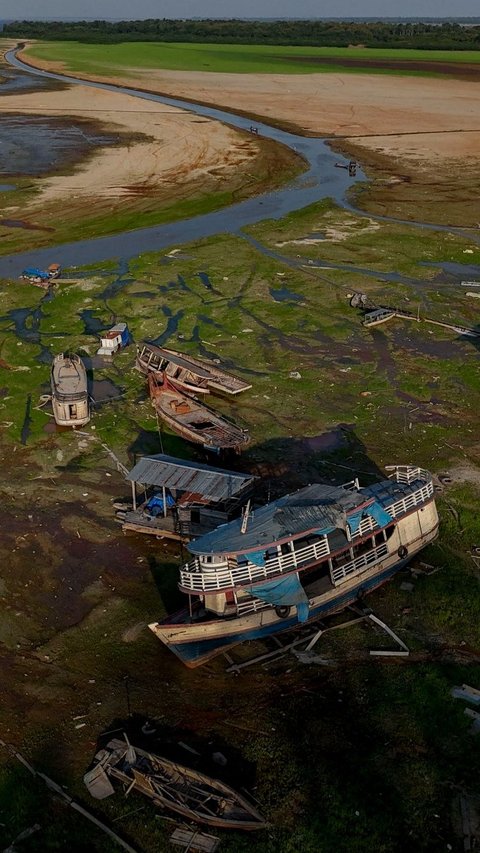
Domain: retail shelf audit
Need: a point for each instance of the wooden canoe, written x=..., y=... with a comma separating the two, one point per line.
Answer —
x=194, y=375
x=179, y=789
x=192, y=419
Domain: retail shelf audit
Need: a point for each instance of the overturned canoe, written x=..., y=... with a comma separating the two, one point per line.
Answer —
x=180, y=789
x=194, y=375
x=194, y=420
x=69, y=390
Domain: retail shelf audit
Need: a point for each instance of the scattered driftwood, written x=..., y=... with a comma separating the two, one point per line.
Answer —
x=56, y=789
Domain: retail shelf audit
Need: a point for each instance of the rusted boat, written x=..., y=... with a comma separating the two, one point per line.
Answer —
x=194, y=375
x=172, y=786
x=69, y=390
x=194, y=420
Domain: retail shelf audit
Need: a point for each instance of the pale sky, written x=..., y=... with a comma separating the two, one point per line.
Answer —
x=24, y=9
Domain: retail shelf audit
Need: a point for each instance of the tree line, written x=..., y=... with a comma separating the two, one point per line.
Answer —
x=384, y=34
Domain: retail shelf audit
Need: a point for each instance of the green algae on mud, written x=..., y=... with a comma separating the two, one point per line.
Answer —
x=384, y=741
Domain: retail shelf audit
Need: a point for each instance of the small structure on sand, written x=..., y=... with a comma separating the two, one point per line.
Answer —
x=179, y=499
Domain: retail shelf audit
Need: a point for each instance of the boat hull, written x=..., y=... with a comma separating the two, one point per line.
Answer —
x=193, y=420
x=195, y=644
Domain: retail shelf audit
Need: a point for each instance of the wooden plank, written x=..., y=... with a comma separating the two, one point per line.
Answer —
x=194, y=840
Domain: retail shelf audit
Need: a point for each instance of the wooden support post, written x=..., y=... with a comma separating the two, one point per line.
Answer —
x=134, y=496
x=314, y=640
x=164, y=495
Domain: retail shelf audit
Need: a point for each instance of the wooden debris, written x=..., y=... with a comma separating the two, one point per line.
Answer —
x=56, y=789
x=193, y=840
x=404, y=651
x=470, y=694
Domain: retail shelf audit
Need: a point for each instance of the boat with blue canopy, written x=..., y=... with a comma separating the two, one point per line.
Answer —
x=304, y=556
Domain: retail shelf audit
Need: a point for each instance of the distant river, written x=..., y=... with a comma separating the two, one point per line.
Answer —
x=321, y=180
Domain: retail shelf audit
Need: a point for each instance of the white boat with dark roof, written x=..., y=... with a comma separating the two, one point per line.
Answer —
x=304, y=556
x=194, y=375
x=69, y=390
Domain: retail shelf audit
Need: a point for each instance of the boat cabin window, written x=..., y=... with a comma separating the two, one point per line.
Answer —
x=389, y=531
x=271, y=552
x=363, y=547
x=341, y=559
x=73, y=410
x=211, y=559
x=286, y=548
x=195, y=516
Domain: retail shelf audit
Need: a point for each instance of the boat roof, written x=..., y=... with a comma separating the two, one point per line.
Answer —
x=318, y=507
x=212, y=484
x=181, y=361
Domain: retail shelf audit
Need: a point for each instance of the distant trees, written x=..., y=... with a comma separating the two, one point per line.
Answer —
x=386, y=34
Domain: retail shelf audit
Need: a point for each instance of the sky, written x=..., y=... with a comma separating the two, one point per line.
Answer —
x=24, y=9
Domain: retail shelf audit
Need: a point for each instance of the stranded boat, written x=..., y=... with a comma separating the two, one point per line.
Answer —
x=69, y=390
x=190, y=374
x=172, y=786
x=296, y=559
x=41, y=277
x=194, y=420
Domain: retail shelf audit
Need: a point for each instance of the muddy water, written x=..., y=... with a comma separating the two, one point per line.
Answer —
x=38, y=145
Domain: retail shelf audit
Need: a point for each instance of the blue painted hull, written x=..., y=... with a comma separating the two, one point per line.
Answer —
x=193, y=654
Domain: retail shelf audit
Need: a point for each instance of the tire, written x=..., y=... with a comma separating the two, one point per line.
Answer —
x=402, y=552
x=283, y=612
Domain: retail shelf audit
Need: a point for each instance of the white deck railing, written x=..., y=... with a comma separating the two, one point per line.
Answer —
x=252, y=606
x=198, y=577
x=340, y=573
x=409, y=502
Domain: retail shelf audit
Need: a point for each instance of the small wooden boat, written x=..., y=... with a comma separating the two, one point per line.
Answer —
x=194, y=420
x=194, y=375
x=69, y=390
x=378, y=316
x=180, y=789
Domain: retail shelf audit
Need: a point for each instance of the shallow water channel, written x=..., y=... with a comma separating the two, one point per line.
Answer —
x=320, y=180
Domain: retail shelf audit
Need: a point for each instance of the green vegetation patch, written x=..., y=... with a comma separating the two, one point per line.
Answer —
x=115, y=60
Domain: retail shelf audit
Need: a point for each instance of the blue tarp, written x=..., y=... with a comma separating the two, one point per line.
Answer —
x=35, y=271
x=155, y=504
x=282, y=592
x=375, y=511
x=256, y=557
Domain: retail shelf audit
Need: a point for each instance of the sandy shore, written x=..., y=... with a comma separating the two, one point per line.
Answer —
x=178, y=148
x=409, y=117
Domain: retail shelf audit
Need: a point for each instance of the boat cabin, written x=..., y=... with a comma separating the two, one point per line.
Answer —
x=116, y=338
x=315, y=539
x=179, y=499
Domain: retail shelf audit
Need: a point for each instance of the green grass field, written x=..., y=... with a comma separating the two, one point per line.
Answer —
x=111, y=59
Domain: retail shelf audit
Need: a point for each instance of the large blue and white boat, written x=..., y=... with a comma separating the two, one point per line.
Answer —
x=296, y=559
